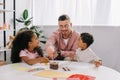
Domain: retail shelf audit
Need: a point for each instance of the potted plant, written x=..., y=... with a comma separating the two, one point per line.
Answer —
x=27, y=21
x=24, y=19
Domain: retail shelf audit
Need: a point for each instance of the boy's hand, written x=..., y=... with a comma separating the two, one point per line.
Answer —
x=71, y=55
x=98, y=63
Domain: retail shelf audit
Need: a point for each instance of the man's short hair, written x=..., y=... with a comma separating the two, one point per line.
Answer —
x=64, y=17
x=87, y=38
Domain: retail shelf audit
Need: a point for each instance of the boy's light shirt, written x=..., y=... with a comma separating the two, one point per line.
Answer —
x=86, y=55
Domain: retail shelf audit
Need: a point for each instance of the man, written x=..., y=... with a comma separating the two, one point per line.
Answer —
x=63, y=42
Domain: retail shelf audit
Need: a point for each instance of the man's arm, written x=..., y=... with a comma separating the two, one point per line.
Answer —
x=49, y=46
x=67, y=53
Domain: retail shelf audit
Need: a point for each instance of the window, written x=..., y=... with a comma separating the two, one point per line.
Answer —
x=46, y=12
x=81, y=12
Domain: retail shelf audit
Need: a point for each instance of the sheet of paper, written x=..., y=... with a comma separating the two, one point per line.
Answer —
x=52, y=74
x=21, y=68
x=18, y=67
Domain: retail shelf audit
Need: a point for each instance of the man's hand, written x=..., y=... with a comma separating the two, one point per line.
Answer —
x=50, y=51
x=53, y=56
x=64, y=54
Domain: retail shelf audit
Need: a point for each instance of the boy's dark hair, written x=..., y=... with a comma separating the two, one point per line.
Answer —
x=20, y=43
x=87, y=38
x=64, y=17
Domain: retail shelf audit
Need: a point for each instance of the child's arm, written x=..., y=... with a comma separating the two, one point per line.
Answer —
x=44, y=60
x=34, y=61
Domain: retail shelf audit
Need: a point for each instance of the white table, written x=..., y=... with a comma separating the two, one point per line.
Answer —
x=17, y=72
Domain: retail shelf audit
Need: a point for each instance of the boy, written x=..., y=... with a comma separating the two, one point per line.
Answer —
x=84, y=53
